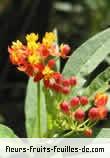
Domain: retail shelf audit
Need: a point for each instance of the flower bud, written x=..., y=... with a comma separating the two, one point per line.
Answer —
x=66, y=82
x=65, y=90
x=83, y=100
x=74, y=102
x=88, y=132
x=102, y=113
x=93, y=114
x=73, y=81
x=79, y=115
x=51, y=63
x=65, y=49
x=57, y=87
x=64, y=106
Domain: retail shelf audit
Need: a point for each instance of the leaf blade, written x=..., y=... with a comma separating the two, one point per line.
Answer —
x=31, y=109
x=80, y=63
x=99, y=84
x=6, y=132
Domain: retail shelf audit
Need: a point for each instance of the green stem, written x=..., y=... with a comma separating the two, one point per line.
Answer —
x=83, y=123
x=38, y=112
x=93, y=124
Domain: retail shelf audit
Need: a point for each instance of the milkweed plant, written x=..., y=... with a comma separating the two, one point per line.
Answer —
x=62, y=104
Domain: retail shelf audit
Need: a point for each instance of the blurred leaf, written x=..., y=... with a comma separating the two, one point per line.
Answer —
x=35, y=110
x=6, y=132
x=96, y=4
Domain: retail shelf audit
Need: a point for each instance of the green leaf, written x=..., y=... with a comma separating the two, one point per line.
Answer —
x=102, y=133
x=86, y=58
x=6, y=132
x=99, y=84
x=35, y=110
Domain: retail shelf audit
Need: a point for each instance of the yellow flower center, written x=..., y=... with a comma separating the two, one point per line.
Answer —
x=34, y=59
x=47, y=72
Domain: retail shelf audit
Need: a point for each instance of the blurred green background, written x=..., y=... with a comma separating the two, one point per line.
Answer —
x=75, y=20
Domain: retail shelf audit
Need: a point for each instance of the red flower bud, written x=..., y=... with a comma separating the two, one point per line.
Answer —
x=83, y=100
x=73, y=81
x=74, y=102
x=65, y=90
x=93, y=114
x=51, y=63
x=64, y=106
x=65, y=49
x=88, y=132
x=79, y=115
x=58, y=77
x=66, y=82
x=57, y=87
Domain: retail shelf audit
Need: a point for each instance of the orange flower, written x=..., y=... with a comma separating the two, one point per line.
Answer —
x=102, y=113
x=100, y=99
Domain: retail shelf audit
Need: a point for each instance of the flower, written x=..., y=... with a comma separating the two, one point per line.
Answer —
x=100, y=99
x=32, y=37
x=36, y=59
x=49, y=39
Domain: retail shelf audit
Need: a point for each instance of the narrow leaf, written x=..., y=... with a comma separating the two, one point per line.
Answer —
x=6, y=132
x=86, y=58
x=35, y=110
x=103, y=133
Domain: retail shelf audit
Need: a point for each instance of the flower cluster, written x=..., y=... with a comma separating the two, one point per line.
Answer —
x=74, y=110
x=37, y=59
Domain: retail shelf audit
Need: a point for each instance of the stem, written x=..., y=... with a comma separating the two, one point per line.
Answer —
x=93, y=124
x=83, y=123
x=39, y=111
